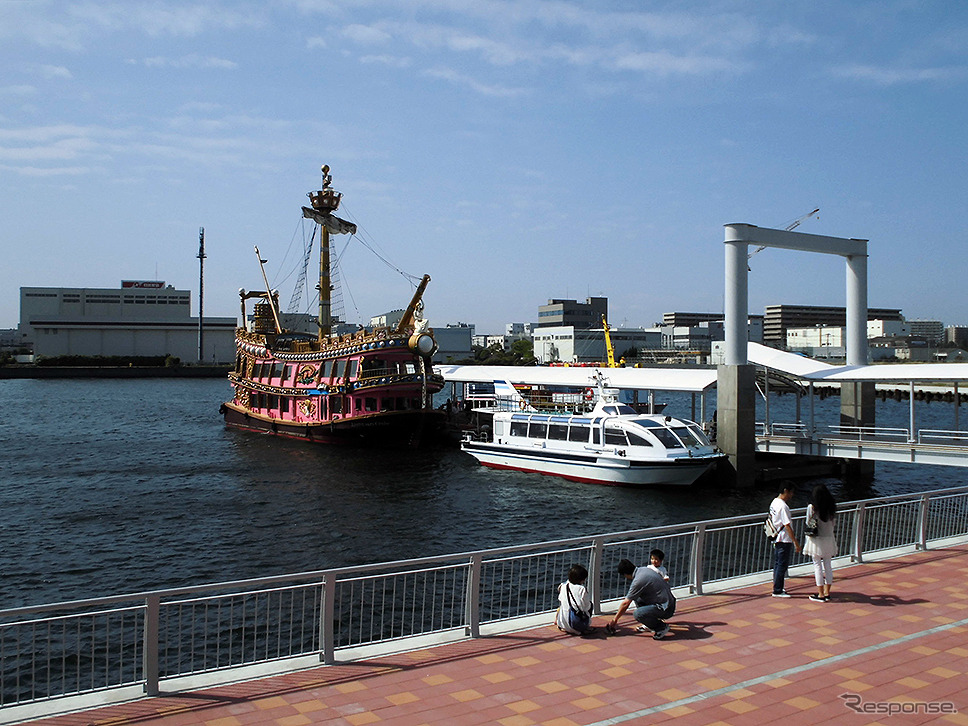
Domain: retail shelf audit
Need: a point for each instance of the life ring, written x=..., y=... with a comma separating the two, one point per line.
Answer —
x=522, y=404
x=589, y=394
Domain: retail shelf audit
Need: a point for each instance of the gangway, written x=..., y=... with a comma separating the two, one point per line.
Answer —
x=867, y=443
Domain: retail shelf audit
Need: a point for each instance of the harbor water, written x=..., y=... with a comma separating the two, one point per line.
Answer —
x=114, y=486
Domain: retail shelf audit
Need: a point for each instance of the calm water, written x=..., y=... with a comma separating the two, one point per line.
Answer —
x=118, y=486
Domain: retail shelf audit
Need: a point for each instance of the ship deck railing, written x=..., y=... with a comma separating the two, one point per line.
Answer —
x=159, y=639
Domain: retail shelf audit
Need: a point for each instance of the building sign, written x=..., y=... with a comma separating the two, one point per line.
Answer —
x=155, y=284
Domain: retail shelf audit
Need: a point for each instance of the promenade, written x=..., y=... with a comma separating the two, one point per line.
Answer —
x=890, y=648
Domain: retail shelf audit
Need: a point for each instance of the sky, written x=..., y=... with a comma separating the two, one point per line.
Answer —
x=516, y=151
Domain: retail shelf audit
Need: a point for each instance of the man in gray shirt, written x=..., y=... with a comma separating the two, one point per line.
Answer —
x=653, y=598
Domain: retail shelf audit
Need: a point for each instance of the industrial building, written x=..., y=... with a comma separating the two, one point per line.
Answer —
x=141, y=318
x=561, y=312
x=778, y=318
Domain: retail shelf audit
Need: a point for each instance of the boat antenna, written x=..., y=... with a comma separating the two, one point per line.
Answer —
x=272, y=304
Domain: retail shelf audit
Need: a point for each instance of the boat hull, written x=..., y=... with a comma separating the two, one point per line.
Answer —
x=591, y=468
x=404, y=428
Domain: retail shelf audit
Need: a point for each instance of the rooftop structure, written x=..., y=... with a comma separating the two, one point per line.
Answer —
x=559, y=312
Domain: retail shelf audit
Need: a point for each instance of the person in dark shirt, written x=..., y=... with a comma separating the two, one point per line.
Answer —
x=653, y=598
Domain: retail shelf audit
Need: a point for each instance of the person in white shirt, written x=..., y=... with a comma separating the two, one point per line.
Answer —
x=656, y=558
x=786, y=541
x=574, y=604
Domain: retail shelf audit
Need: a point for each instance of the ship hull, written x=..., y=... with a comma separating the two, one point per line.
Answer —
x=592, y=469
x=404, y=428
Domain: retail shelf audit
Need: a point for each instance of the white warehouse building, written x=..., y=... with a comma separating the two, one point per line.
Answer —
x=141, y=318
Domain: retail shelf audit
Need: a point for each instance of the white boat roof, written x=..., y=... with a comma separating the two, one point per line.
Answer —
x=814, y=370
x=692, y=379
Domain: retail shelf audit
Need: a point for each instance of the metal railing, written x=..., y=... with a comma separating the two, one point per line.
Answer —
x=878, y=434
x=71, y=648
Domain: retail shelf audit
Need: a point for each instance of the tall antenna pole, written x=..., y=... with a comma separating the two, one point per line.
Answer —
x=201, y=291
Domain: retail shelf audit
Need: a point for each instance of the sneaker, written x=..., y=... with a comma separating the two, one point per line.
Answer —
x=817, y=598
x=782, y=594
x=641, y=629
x=661, y=632
x=827, y=599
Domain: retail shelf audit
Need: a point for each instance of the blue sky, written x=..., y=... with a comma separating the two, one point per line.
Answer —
x=515, y=151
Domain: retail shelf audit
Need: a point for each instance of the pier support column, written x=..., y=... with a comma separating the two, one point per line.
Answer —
x=736, y=419
x=857, y=409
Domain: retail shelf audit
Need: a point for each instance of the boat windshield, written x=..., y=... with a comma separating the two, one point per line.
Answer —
x=618, y=409
x=664, y=435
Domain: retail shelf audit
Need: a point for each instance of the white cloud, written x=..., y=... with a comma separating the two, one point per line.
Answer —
x=459, y=79
x=48, y=71
x=885, y=76
x=18, y=90
x=664, y=63
x=387, y=60
x=365, y=34
x=188, y=61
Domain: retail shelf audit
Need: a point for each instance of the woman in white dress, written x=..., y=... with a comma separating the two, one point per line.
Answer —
x=822, y=546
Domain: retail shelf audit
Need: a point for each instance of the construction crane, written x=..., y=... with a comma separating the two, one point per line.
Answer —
x=789, y=228
x=609, y=350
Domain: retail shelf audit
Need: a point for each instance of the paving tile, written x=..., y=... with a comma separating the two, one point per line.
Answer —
x=720, y=642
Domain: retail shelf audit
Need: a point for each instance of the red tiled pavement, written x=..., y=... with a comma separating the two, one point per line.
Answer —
x=896, y=636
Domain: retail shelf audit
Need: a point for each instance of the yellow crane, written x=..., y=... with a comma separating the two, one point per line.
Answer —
x=609, y=350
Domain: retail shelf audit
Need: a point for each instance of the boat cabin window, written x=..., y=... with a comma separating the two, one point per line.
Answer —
x=369, y=404
x=335, y=404
x=578, y=433
x=537, y=430
x=286, y=371
x=339, y=369
x=618, y=409
x=326, y=370
x=519, y=428
x=386, y=404
x=277, y=370
x=636, y=440
x=558, y=432
x=354, y=368
x=615, y=437
x=667, y=438
x=689, y=437
x=409, y=367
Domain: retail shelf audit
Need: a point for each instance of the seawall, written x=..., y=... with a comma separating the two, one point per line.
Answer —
x=114, y=372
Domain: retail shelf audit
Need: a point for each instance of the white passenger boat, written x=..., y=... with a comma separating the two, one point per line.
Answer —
x=613, y=444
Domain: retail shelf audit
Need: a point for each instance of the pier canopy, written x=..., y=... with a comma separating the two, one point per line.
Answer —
x=689, y=380
x=817, y=371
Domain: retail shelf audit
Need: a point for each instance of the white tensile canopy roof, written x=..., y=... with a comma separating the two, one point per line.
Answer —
x=692, y=379
x=817, y=371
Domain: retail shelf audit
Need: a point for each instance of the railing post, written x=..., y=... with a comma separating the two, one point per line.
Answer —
x=327, y=619
x=151, y=644
x=858, y=544
x=922, y=543
x=473, y=598
x=595, y=558
x=697, y=560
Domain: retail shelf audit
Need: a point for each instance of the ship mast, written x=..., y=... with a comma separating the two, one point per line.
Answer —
x=325, y=321
x=324, y=203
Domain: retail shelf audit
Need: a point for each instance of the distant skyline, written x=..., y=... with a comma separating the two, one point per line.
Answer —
x=516, y=151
